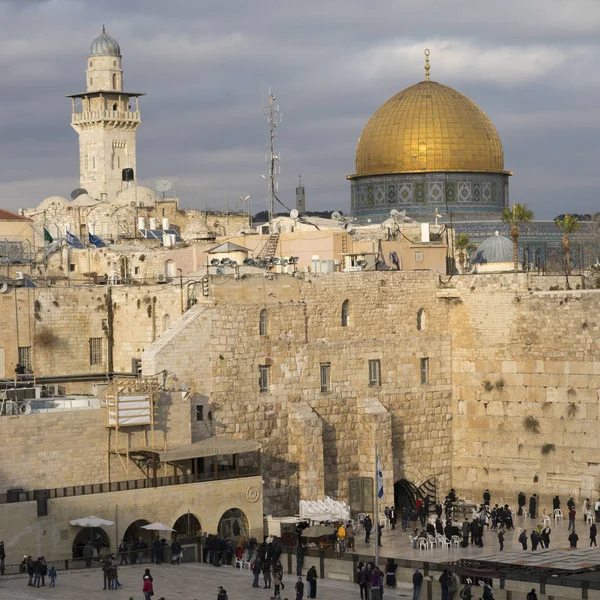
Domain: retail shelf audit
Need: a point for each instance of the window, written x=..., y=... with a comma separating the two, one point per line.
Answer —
x=71, y=267
x=345, y=313
x=374, y=373
x=264, y=377
x=96, y=351
x=136, y=270
x=90, y=64
x=424, y=370
x=199, y=412
x=91, y=81
x=263, y=323
x=420, y=320
x=166, y=322
x=114, y=81
x=25, y=358
x=325, y=377
x=418, y=257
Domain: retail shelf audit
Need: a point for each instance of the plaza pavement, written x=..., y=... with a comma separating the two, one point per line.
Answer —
x=194, y=581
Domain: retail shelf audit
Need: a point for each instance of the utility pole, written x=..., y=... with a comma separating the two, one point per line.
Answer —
x=274, y=118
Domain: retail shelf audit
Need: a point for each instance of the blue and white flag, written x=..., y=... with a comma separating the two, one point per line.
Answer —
x=96, y=241
x=73, y=240
x=379, y=476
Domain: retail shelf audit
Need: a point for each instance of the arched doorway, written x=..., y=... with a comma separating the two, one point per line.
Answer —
x=96, y=535
x=169, y=269
x=233, y=523
x=166, y=322
x=188, y=525
x=134, y=532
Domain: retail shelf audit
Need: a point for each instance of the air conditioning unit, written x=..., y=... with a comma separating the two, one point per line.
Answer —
x=55, y=390
x=161, y=278
x=20, y=275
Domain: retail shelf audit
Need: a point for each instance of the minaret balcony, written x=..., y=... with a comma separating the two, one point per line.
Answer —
x=105, y=115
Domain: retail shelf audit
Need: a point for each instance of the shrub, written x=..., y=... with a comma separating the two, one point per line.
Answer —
x=488, y=386
x=531, y=424
x=572, y=409
x=499, y=384
x=547, y=448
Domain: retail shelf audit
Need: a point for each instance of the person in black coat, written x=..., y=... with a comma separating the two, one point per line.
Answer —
x=593, y=534
x=487, y=497
x=521, y=501
x=533, y=506
x=573, y=539
x=555, y=502
x=311, y=577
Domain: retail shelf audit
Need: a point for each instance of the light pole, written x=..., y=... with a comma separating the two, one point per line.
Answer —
x=246, y=200
x=181, y=288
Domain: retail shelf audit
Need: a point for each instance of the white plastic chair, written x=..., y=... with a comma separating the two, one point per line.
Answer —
x=432, y=541
x=558, y=515
x=547, y=520
x=444, y=542
x=423, y=544
x=455, y=541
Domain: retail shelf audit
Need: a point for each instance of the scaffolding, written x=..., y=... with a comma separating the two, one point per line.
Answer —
x=131, y=408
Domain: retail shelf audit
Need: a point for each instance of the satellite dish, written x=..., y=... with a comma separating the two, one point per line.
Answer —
x=164, y=185
x=25, y=408
x=294, y=213
x=4, y=287
x=336, y=215
x=394, y=212
x=78, y=192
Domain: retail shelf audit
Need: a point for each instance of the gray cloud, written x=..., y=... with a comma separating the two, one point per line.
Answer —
x=530, y=64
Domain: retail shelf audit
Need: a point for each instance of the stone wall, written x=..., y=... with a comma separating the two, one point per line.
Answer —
x=412, y=421
x=526, y=383
x=24, y=533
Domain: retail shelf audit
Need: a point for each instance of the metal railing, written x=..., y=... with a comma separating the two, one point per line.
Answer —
x=19, y=495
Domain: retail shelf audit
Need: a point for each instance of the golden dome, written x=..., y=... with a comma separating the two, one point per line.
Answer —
x=429, y=127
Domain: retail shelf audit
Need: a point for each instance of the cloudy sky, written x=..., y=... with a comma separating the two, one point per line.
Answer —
x=532, y=65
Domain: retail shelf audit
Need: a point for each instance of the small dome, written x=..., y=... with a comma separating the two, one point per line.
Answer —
x=495, y=249
x=104, y=45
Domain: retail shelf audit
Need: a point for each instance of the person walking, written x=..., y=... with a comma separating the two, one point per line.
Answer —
x=2, y=558
x=311, y=577
x=523, y=539
x=467, y=593
x=277, y=575
x=444, y=583
x=452, y=587
x=176, y=552
x=52, y=575
x=545, y=536
x=368, y=525
x=222, y=593
x=123, y=552
x=88, y=554
x=30, y=570
x=361, y=578
x=593, y=533
x=148, y=588
x=267, y=574
x=417, y=583
x=532, y=595
x=299, y=589
x=501, y=539
x=390, y=573
x=535, y=540
x=572, y=514
x=393, y=517
x=37, y=572
x=341, y=536
x=256, y=570
x=349, y=536
x=573, y=539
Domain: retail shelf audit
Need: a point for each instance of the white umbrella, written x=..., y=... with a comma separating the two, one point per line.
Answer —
x=157, y=526
x=91, y=522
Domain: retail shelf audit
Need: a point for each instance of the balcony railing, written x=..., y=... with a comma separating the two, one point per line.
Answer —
x=103, y=115
x=19, y=495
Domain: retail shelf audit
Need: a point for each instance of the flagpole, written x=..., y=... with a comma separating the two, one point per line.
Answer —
x=376, y=486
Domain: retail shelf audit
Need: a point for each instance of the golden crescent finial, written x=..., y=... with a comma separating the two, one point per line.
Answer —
x=427, y=67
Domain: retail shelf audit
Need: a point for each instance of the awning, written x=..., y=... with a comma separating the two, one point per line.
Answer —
x=209, y=447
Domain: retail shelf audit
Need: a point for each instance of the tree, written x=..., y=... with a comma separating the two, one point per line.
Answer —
x=515, y=217
x=568, y=225
x=463, y=245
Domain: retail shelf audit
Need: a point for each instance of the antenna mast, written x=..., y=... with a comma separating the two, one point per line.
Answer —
x=274, y=118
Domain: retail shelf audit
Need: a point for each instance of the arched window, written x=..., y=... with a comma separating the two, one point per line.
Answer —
x=345, y=313
x=91, y=81
x=115, y=106
x=263, y=323
x=114, y=81
x=166, y=322
x=420, y=320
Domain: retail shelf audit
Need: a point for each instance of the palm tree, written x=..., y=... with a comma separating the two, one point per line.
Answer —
x=567, y=225
x=463, y=245
x=516, y=216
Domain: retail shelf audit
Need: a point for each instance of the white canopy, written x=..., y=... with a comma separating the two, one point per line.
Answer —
x=324, y=510
x=157, y=526
x=91, y=522
x=211, y=446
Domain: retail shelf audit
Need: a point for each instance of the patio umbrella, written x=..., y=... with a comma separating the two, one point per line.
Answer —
x=318, y=531
x=157, y=526
x=91, y=522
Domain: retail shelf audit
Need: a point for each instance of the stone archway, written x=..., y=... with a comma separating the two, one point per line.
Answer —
x=188, y=525
x=134, y=532
x=99, y=538
x=233, y=523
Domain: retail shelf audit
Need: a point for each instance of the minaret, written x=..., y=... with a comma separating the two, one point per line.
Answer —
x=106, y=119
